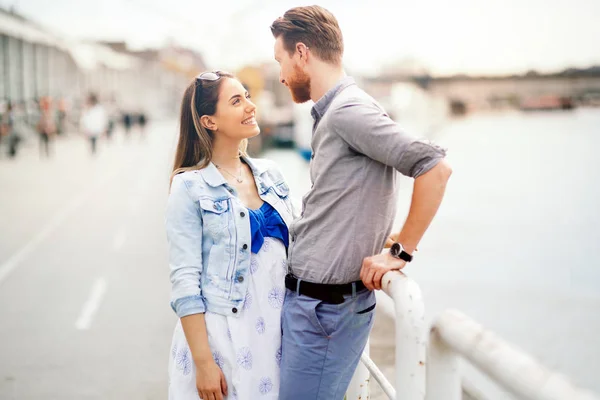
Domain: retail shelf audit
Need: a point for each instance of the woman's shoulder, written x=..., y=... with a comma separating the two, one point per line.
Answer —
x=265, y=165
x=190, y=181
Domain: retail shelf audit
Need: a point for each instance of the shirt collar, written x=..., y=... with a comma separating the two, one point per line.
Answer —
x=321, y=106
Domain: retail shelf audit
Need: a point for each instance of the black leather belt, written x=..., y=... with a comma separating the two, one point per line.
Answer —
x=333, y=293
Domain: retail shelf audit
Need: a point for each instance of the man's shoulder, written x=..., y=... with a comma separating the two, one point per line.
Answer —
x=352, y=96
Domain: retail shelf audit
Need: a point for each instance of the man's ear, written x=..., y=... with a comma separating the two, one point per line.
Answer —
x=302, y=50
x=208, y=123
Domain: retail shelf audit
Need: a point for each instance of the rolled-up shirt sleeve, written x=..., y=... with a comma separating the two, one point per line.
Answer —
x=370, y=131
x=184, y=236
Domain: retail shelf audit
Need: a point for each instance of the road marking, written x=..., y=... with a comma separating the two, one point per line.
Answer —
x=119, y=239
x=91, y=305
x=17, y=258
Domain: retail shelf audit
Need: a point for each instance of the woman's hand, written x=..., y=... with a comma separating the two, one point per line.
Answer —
x=210, y=381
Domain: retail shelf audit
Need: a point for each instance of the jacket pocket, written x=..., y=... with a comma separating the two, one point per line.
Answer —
x=214, y=215
x=282, y=190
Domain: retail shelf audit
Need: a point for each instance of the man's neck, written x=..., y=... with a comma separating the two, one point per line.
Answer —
x=324, y=81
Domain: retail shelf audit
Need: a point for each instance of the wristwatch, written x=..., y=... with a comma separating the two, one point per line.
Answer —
x=397, y=251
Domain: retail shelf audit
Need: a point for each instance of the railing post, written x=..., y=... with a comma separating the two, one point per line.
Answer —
x=411, y=335
x=443, y=375
x=359, y=385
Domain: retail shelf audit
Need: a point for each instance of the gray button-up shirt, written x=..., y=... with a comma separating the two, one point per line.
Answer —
x=349, y=212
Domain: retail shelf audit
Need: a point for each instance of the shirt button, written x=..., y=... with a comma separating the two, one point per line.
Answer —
x=245, y=247
x=234, y=310
x=242, y=214
x=240, y=279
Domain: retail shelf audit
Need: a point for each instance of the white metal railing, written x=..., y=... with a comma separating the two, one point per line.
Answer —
x=453, y=335
x=411, y=338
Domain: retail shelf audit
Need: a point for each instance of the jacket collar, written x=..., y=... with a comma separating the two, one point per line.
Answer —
x=214, y=178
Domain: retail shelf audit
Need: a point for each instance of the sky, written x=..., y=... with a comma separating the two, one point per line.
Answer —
x=445, y=37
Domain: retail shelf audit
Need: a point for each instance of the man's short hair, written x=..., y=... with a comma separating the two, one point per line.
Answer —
x=314, y=26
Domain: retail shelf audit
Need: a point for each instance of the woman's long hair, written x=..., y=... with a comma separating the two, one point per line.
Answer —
x=195, y=145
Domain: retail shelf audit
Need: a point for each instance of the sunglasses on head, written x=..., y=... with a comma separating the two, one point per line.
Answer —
x=209, y=76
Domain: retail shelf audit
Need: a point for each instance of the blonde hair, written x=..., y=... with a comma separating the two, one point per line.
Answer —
x=195, y=144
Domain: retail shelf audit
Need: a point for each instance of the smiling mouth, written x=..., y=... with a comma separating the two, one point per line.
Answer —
x=249, y=121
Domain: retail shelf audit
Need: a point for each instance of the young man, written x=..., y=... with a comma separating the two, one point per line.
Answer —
x=335, y=258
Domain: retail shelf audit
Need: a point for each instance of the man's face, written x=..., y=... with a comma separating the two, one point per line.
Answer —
x=291, y=73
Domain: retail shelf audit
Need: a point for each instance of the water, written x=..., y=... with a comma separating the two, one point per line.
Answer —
x=516, y=243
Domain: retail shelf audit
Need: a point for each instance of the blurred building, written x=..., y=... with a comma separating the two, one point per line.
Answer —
x=33, y=61
x=36, y=63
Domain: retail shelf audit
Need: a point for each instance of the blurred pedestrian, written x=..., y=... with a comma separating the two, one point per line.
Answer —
x=9, y=130
x=46, y=126
x=127, y=122
x=335, y=258
x=62, y=116
x=227, y=251
x=142, y=120
x=112, y=115
x=94, y=121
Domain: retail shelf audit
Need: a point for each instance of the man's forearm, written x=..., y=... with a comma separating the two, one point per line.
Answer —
x=427, y=196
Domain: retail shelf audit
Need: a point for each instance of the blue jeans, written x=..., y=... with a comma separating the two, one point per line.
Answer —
x=322, y=344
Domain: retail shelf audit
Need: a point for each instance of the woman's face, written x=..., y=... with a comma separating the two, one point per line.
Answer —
x=235, y=116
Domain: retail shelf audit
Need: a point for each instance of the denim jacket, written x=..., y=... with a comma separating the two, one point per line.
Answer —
x=208, y=232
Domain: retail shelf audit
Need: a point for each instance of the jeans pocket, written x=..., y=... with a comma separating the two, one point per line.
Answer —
x=325, y=317
x=366, y=310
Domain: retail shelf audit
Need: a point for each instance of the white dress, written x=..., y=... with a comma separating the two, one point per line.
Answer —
x=248, y=347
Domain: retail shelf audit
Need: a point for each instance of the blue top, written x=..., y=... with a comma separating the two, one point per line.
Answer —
x=266, y=222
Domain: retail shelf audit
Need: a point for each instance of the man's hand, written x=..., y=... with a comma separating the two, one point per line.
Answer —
x=375, y=267
x=393, y=238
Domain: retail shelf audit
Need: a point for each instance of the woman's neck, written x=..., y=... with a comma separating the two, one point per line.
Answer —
x=226, y=154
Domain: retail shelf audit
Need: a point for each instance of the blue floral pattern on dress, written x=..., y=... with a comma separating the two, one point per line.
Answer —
x=253, y=266
x=174, y=352
x=183, y=360
x=276, y=296
x=260, y=325
x=278, y=356
x=229, y=334
x=267, y=244
x=219, y=360
x=244, y=358
x=265, y=385
x=247, y=300
x=284, y=264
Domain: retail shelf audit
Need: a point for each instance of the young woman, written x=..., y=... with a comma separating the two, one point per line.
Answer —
x=227, y=227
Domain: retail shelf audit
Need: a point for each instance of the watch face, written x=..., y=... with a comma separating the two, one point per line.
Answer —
x=395, y=249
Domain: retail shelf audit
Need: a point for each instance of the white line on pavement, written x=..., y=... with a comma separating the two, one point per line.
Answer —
x=91, y=305
x=119, y=239
x=17, y=258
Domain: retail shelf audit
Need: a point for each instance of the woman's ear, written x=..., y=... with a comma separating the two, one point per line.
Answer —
x=208, y=123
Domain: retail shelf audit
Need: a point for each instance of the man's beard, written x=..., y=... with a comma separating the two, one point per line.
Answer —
x=299, y=86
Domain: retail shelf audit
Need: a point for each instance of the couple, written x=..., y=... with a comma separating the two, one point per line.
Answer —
x=276, y=302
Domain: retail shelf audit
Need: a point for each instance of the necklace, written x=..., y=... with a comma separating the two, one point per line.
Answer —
x=237, y=178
